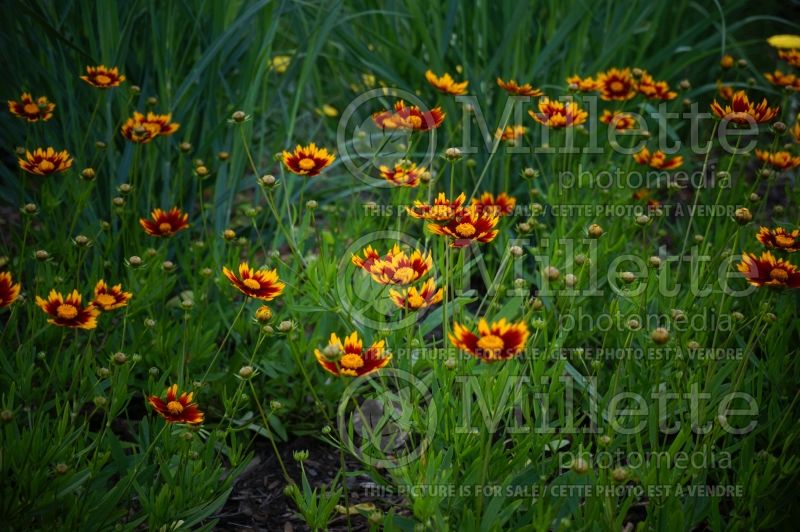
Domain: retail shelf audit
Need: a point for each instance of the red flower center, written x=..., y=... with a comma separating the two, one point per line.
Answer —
x=66, y=311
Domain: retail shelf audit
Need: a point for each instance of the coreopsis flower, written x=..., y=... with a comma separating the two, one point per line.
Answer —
x=395, y=267
x=654, y=90
x=557, y=114
x=30, y=110
x=511, y=134
x=350, y=358
x=500, y=340
x=141, y=128
x=165, y=223
x=766, y=270
x=779, y=79
x=795, y=131
x=784, y=41
x=469, y=225
x=307, y=160
x=725, y=91
x=657, y=160
x=726, y=61
x=779, y=238
x=446, y=84
x=102, y=77
x=110, y=297
x=616, y=84
x=409, y=117
x=45, y=161
x=258, y=284
x=9, y=291
x=441, y=210
x=779, y=160
x=791, y=56
x=512, y=87
x=68, y=311
x=412, y=299
x=583, y=84
x=403, y=174
x=619, y=120
x=742, y=111
x=280, y=63
x=645, y=194
x=502, y=205
x=175, y=408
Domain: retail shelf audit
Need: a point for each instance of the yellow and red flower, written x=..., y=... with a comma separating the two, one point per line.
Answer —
x=619, y=120
x=779, y=79
x=779, y=238
x=102, y=77
x=165, y=223
x=511, y=134
x=350, y=358
x=512, y=87
x=446, y=84
x=779, y=160
x=616, y=84
x=396, y=267
x=258, y=284
x=654, y=90
x=32, y=111
x=403, y=174
x=766, y=270
x=110, y=297
x=307, y=160
x=68, y=311
x=469, y=225
x=9, y=291
x=45, y=161
x=441, y=210
x=501, y=340
x=795, y=131
x=141, y=128
x=502, y=205
x=175, y=408
x=557, y=114
x=657, y=160
x=725, y=91
x=583, y=84
x=742, y=111
x=791, y=56
x=412, y=299
x=410, y=117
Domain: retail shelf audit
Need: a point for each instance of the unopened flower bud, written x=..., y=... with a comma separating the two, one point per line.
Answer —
x=246, y=372
x=660, y=335
x=41, y=255
x=595, y=231
x=88, y=174
x=119, y=358
x=238, y=116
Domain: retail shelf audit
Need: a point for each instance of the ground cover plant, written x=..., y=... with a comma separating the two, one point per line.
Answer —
x=400, y=265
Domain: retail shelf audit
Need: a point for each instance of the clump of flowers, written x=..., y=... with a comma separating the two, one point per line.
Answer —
x=403, y=173
x=501, y=205
x=779, y=160
x=558, y=115
x=657, y=159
